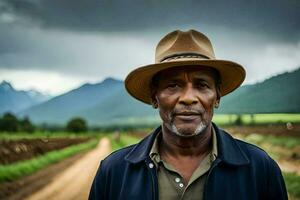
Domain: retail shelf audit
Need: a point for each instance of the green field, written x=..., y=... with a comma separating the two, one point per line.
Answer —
x=125, y=140
x=220, y=119
x=40, y=134
x=257, y=118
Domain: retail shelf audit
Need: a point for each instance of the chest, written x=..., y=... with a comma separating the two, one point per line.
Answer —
x=184, y=166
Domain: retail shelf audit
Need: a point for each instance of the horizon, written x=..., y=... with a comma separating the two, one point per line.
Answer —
x=116, y=79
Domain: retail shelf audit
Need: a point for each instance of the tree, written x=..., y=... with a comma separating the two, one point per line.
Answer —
x=26, y=125
x=9, y=123
x=76, y=125
x=239, y=120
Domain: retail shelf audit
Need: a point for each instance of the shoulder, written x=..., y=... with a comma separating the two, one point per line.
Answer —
x=255, y=154
x=117, y=158
x=252, y=150
x=260, y=169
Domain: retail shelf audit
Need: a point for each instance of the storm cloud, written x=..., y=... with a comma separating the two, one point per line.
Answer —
x=93, y=39
x=276, y=18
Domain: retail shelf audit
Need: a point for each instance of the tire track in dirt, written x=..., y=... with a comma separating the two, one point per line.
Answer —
x=74, y=183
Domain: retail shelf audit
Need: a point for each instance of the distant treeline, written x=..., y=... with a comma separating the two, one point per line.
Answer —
x=10, y=123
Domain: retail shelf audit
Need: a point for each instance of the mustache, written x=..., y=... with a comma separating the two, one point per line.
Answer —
x=188, y=110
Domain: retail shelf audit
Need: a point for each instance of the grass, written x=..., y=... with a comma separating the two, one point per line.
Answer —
x=17, y=170
x=274, y=118
x=125, y=140
x=292, y=181
x=268, y=142
x=23, y=135
x=282, y=141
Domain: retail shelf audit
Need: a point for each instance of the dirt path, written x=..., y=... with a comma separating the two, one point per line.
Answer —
x=74, y=183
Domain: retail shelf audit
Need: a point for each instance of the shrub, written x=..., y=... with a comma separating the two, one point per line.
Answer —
x=76, y=125
x=26, y=125
x=9, y=123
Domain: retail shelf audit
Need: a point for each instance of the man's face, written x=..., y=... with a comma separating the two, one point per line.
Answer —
x=186, y=98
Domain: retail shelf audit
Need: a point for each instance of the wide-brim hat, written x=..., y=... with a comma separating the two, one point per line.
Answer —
x=183, y=49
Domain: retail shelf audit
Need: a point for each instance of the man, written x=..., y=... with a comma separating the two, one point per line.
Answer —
x=187, y=157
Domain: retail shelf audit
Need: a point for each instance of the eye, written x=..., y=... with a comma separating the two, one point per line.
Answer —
x=172, y=85
x=202, y=85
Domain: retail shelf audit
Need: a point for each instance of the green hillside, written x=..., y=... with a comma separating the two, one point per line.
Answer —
x=279, y=94
x=119, y=108
x=62, y=108
x=108, y=102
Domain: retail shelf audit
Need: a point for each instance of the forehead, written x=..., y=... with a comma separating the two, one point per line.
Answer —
x=192, y=72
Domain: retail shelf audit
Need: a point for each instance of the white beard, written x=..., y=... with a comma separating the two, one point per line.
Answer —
x=200, y=128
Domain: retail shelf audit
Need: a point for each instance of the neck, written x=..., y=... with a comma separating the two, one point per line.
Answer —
x=176, y=146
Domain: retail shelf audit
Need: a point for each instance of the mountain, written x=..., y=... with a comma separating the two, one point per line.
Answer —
x=100, y=103
x=12, y=100
x=108, y=102
x=278, y=94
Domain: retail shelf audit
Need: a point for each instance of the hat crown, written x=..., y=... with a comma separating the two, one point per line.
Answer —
x=182, y=43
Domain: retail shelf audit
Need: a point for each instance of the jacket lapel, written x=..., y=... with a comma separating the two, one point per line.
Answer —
x=141, y=151
x=228, y=149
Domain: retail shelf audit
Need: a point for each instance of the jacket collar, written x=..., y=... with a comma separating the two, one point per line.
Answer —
x=228, y=149
x=141, y=151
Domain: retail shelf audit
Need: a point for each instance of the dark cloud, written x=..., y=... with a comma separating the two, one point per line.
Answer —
x=276, y=18
x=93, y=38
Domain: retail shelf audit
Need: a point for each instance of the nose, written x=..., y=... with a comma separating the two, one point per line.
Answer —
x=188, y=96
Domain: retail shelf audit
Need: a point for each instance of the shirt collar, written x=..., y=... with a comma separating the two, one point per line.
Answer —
x=154, y=152
x=227, y=149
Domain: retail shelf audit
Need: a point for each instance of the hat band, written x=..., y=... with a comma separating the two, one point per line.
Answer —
x=183, y=55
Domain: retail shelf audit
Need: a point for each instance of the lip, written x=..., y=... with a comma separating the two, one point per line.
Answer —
x=187, y=116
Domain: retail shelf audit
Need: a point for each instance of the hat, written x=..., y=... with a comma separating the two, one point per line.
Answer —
x=183, y=49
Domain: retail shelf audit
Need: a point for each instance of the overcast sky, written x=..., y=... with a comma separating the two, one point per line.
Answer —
x=56, y=45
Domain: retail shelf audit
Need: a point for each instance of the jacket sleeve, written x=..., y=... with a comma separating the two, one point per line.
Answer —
x=97, y=191
x=276, y=185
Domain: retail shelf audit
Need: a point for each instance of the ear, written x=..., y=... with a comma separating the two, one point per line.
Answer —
x=217, y=103
x=154, y=102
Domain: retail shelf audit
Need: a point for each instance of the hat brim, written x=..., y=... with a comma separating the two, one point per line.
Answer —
x=137, y=83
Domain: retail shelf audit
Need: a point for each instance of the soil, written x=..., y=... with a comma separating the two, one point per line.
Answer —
x=17, y=150
x=75, y=182
x=20, y=189
x=280, y=130
x=66, y=180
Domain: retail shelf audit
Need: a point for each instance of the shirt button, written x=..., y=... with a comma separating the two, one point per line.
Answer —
x=151, y=165
x=181, y=185
x=177, y=180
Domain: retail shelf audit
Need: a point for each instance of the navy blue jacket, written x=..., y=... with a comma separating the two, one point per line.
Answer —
x=241, y=171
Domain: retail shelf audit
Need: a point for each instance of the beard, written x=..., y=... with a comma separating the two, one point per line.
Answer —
x=181, y=133
x=186, y=132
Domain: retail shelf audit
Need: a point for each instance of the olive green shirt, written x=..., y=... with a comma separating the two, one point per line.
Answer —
x=170, y=182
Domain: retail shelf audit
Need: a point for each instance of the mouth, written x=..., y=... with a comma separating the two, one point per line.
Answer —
x=187, y=115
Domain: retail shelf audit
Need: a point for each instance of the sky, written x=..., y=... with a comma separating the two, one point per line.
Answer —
x=57, y=45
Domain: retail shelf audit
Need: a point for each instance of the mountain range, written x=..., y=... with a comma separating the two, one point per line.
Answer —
x=278, y=94
x=101, y=103
x=108, y=102
x=12, y=100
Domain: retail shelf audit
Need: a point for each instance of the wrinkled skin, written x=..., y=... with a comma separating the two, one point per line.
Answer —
x=186, y=98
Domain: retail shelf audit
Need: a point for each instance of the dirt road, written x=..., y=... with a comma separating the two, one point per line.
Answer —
x=74, y=183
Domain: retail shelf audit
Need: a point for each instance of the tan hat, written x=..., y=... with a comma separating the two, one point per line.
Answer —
x=183, y=49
